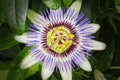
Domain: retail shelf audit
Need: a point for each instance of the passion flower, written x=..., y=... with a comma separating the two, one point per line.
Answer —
x=62, y=39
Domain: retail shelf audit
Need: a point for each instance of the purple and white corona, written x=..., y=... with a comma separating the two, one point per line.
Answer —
x=62, y=39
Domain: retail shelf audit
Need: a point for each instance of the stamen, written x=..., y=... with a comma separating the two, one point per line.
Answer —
x=59, y=39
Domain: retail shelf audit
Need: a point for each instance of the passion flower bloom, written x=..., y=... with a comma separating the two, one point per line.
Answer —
x=62, y=39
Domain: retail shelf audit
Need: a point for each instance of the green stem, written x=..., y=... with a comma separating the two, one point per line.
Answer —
x=82, y=74
x=115, y=67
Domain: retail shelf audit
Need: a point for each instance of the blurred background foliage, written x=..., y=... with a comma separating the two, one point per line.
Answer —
x=13, y=20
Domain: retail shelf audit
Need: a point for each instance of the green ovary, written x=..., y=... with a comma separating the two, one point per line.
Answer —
x=59, y=39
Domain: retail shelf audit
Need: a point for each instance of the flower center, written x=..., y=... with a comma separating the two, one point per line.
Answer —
x=59, y=39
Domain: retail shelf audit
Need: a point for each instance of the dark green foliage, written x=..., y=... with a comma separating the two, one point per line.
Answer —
x=53, y=4
x=15, y=13
x=67, y=2
x=105, y=58
x=6, y=37
x=13, y=20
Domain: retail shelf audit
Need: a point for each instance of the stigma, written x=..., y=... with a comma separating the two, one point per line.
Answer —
x=59, y=39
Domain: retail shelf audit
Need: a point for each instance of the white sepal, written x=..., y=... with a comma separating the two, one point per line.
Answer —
x=96, y=45
x=66, y=75
x=21, y=38
x=85, y=65
x=27, y=62
x=93, y=28
x=46, y=72
x=76, y=5
x=96, y=27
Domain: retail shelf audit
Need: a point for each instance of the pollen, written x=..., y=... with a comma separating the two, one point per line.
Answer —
x=59, y=39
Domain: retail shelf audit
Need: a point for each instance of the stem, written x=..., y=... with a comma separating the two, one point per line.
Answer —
x=85, y=75
x=115, y=67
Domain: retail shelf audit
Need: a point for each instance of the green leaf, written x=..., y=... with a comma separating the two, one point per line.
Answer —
x=5, y=65
x=36, y=76
x=67, y=2
x=1, y=13
x=98, y=75
x=35, y=5
x=4, y=68
x=15, y=13
x=6, y=38
x=117, y=4
x=32, y=70
x=53, y=4
x=88, y=7
x=52, y=77
x=109, y=77
x=32, y=15
x=105, y=58
x=42, y=7
x=11, y=52
x=79, y=74
x=15, y=73
x=3, y=74
x=5, y=32
x=5, y=44
x=112, y=24
x=1, y=18
x=116, y=61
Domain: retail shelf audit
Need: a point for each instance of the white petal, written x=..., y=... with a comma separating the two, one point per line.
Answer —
x=36, y=18
x=21, y=38
x=46, y=72
x=27, y=62
x=76, y=5
x=96, y=45
x=93, y=28
x=86, y=65
x=65, y=69
x=66, y=75
x=96, y=27
x=56, y=15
